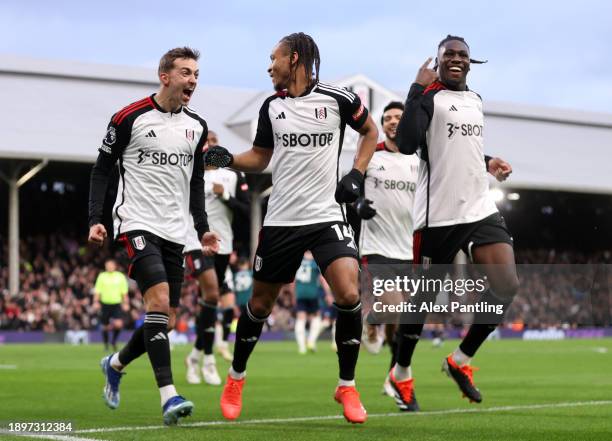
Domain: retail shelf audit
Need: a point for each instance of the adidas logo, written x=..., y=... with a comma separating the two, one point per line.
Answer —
x=381, y=168
x=452, y=108
x=352, y=342
x=151, y=134
x=249, y=340
x=159, y=336
x=354, y=187
x=281, y=116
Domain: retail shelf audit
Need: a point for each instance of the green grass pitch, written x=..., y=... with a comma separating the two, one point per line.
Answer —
x=553, y=390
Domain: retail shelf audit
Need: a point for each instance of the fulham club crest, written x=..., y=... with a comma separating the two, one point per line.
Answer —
x=321, y=112
x=258, y=263
x=139, y=243
x=190, y=134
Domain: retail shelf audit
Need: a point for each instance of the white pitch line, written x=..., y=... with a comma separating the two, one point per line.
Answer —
x=8, y=366
x=374, y=415
x=51, y=436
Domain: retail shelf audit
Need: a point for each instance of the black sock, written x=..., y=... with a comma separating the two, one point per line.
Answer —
x=228, y=318
x=348, y=338
x=205, y=328
x=407, y=338
x=135, y=348
x=475, y=337
x=156, y=341
x=115, y=335
x=484, y=324
x=393, y=347
x=247, y=334
x=105, y=337
x=409, y=331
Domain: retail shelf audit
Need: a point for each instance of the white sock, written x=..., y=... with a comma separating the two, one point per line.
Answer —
x=195, y=355
x=300, y=334
x=315, y=328
x=342, y=382
x=460, y=358
x=167, y=392
x=114, y=362
x=209, y=359
x=219, y=336
x=236, y=375
x=402, y=373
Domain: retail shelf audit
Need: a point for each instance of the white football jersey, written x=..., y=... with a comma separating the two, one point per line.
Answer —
x=157, y=152
x=220, y=215
x=390, y=183
x=453, y=185
x=306, y=133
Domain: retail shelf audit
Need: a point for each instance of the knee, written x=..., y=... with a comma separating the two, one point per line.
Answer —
x=158, y=302
x=348, y=297
x=261, y=306
x=211, y=297
x=508, y=289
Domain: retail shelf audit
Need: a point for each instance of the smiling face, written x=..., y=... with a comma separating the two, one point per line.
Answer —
x=280, y=67
x=181, y=80
x=454, y=64
x=390, y=120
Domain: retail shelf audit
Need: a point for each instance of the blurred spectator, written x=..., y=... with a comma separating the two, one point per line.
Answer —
x=57, y=277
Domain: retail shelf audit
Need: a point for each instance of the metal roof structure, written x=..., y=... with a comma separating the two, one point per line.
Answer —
x=59, y=111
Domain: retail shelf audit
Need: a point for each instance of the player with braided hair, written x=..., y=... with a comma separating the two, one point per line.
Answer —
x=300, y=130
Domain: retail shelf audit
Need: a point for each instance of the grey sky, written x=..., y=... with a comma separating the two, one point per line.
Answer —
x=549, y=53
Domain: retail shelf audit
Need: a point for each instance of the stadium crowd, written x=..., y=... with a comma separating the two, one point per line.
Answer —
x=58, y=273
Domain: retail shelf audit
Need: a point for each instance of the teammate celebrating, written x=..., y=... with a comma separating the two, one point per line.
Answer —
x=443, y=123
x=301, y=129
x=385, y=241
x=158, y=142
x=226, y=192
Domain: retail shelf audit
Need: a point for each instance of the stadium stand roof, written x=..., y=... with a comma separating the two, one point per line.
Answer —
x=59, y=110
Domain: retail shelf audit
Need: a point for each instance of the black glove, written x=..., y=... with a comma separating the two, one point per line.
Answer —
x=218, y=156
x=364, y=209
x=349, y=187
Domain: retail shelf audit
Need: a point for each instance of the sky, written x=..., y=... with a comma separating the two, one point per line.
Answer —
x=543, y=53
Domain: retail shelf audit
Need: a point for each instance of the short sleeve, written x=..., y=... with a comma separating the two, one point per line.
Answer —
x=264, y=137
x=352, y=110
x=117, y=137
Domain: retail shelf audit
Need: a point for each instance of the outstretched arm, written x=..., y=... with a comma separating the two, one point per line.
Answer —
x=254, y=160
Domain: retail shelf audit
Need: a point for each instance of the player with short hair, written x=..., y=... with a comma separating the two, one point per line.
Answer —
x=443, y=123
x=158, y=142
x=385, y=240
x=110, y=297
x=301, y=129
x=226, y=192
